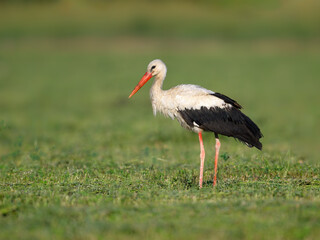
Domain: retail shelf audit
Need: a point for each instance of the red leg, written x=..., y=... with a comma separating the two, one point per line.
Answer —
x=202, y=156
x=216, y=161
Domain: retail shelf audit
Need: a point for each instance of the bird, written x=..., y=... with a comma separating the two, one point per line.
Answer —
x=200, y=110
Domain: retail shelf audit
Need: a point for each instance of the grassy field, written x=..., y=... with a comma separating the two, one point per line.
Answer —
x=78, y=160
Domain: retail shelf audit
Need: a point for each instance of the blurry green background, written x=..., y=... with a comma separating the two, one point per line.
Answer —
x=62, y=59
x=66, y=70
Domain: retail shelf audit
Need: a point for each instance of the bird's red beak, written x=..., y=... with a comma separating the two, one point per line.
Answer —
x=142, y=82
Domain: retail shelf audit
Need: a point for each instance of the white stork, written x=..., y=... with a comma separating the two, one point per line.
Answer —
x=198, y=109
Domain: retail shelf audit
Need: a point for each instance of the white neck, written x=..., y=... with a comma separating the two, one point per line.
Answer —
x=156, y=91
x=156, y=88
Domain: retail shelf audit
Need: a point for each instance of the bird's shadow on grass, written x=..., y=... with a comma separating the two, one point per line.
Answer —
x=208, y=183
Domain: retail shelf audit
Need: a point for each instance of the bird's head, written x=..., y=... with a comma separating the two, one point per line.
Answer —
x=155, y=68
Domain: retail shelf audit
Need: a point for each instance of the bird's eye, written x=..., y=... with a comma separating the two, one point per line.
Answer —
x=153, y=67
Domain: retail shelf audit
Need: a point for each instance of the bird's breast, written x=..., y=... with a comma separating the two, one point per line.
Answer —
x=164, y=105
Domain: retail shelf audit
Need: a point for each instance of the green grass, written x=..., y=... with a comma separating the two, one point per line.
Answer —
x=79, y=160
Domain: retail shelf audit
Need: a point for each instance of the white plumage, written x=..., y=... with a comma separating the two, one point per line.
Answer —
x=199, y=109
x=185, y=96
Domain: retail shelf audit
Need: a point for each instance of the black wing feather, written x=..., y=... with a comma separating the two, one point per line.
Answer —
x=227, y=100
x=229, y=121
